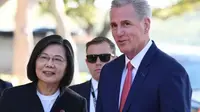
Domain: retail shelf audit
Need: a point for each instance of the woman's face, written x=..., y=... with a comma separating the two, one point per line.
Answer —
x=51, y=64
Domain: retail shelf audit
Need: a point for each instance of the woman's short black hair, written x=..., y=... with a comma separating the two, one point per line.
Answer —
x=40, y=46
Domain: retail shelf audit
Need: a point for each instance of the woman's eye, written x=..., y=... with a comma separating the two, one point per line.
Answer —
x=58, y=59
x=43, y=57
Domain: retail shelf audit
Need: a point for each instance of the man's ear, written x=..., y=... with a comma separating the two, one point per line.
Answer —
x=147, y=23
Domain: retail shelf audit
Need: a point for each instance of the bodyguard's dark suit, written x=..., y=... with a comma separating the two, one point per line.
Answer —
x=160, y=85
x=24, y=99
x=84, y=90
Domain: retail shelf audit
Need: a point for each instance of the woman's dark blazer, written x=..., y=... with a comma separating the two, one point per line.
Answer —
x=4, y=85
x=25, y=99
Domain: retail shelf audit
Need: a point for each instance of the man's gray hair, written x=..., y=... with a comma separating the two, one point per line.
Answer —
x=141, y=7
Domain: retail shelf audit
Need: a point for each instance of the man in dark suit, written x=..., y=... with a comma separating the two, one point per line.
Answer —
x=143, y=79
x=99, y=51
x=4, y=85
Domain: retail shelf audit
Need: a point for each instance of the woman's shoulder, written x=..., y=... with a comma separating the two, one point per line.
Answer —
x=72, y=94
x=72, y=101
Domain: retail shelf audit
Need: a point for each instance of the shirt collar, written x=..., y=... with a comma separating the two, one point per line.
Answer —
x=138, y=58
x=94, y=84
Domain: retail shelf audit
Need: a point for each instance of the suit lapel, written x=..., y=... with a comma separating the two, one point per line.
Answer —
x=36, y=105
x=84, y=90
x=140, y=76
x=117, y=72
x=86, y=93
x=63, y=102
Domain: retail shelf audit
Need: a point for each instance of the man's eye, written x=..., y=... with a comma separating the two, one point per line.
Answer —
x=113, y=25
x=126, y=24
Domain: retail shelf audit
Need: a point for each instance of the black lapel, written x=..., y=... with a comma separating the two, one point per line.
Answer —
x=35, y=103
x=66, y=102
x=86, y=92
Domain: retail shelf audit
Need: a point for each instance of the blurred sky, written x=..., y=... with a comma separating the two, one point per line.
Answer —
x=105, y=4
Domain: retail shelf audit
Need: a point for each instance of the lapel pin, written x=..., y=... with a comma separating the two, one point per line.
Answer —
x=62, y=110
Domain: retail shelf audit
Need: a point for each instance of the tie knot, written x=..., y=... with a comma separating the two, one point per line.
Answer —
x=129, y=66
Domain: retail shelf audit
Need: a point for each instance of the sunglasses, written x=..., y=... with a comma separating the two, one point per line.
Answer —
x=92, y=58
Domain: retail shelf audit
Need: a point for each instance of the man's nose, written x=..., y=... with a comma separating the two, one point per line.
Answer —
x=98, y=61
x=120, y=31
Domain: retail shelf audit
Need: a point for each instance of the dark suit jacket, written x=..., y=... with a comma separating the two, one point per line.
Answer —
x=25, y=99
x=160, y=85
x=4, y=85
x=84, y=90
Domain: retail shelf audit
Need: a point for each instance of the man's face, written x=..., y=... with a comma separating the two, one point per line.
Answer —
x=97, y=56
x=129, y=32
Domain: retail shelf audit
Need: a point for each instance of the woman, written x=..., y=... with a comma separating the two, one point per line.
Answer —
x=51, y=69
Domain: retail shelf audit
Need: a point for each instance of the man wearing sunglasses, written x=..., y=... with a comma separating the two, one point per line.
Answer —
x=99, y=51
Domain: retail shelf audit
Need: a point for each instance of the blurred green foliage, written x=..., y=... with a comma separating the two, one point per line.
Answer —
x=177, y=9
x=82, y=11
x=85, y=12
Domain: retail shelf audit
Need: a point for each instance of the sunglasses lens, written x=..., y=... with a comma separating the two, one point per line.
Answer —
x=105, y=57
x=91, y=58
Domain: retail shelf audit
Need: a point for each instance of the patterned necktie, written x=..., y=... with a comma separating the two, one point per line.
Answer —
x=127, y=86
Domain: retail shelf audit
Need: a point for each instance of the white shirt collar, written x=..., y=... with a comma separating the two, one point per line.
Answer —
x=49, y=97
x=94, y=84
x=138, y=58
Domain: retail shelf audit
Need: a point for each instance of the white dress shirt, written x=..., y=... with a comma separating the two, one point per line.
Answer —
x=48, y=101
x=136, y=63
x=95, y=86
